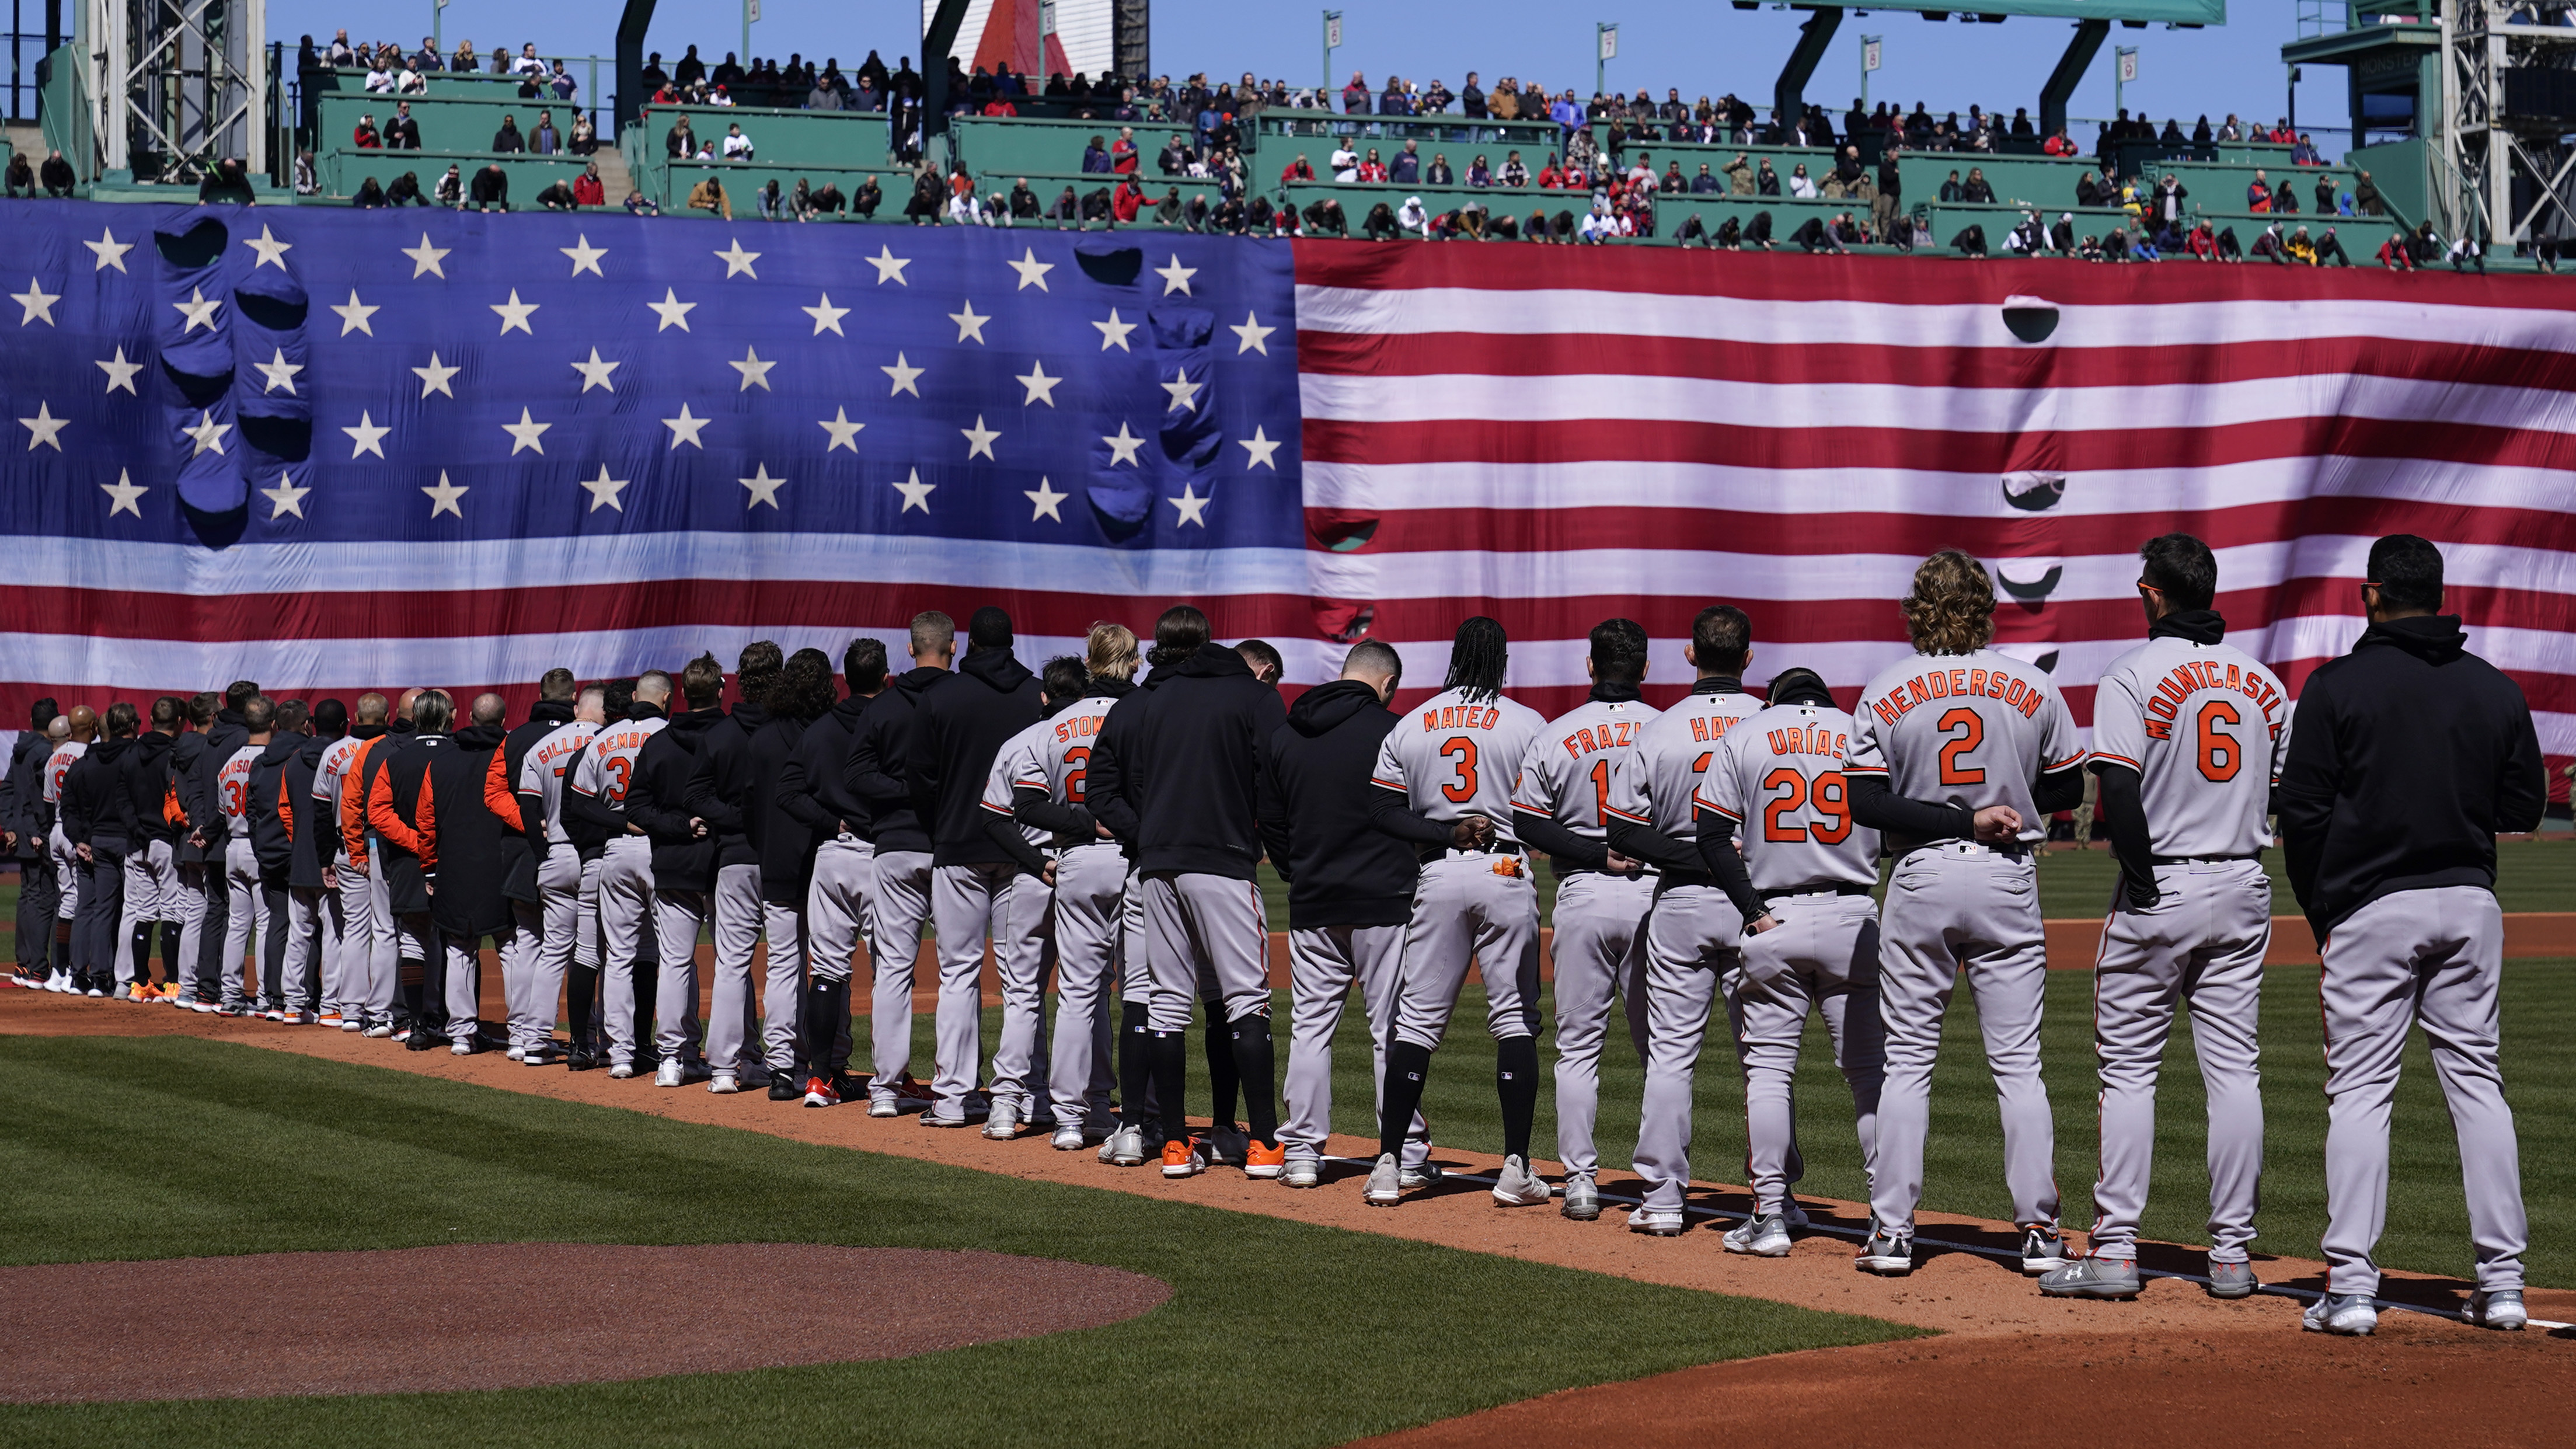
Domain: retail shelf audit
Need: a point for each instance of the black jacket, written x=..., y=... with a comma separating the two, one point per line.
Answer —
x=958, y=728
x=874, y=771
x=2407, y=756
x=27, y=792
x=716, y=788
x=810, y=785
x=1315, y=798
x=524, y=849
x=193, y=764
x=781, y=842
x=658, y=801
x=1176, y=773
x=266, y=810
x=317, y=833
x=473, y=865
x=144, y=775
x=94, y=810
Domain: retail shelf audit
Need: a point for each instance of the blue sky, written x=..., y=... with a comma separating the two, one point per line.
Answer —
x=1700, y=46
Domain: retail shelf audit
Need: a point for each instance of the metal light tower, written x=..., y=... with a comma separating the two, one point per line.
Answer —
x=176, y=86
x=2507, y=99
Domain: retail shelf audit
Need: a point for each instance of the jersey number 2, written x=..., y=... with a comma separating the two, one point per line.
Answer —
x=1972, y=733
x=1077, y=765
x=1463, y=750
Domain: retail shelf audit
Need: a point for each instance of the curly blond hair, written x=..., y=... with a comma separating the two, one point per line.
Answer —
x=1952, y=607
x=1110, y=651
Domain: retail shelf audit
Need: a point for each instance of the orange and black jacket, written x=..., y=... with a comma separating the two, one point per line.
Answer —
x=271, y=811
x=402, y=811
x=353, y=793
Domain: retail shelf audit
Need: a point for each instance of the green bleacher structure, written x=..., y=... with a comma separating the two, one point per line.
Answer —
x=992, y=144
x=449, y=125
x=844, y=146
x=444, y=84
x=343, y=169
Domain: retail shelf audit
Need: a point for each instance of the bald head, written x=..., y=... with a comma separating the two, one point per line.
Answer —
x=60, y=728
x=371, y=708
x=410, y=700
x=490, y=709
x=84, y=723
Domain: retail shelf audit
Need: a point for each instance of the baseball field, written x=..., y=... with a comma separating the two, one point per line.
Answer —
x=231, y=1232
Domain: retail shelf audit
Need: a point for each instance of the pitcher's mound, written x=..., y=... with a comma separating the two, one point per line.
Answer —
x=515, y=1315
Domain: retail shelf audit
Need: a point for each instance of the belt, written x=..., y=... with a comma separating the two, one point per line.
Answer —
x=2203, y=859
x=1676, y=879
x=1836, y=888
x=2010, y=849
x=1425, y=855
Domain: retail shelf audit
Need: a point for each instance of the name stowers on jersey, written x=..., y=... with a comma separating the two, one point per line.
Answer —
x=1779, y=777
x=1568, y=773
x=1058, y=759
x=2206, y=728
x=1654, y=786
x=1453, y=756
x=1963, y=729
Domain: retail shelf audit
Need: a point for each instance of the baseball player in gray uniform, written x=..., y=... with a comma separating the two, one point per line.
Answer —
x=567, y=886
x=1958, y=755
x=1560, y=808
x=599, y=785
x=2409, y=754
x=1692, y=933
x=80, y=727
x=1445, y=775
x=344, y=981
x=811, y=790
x=2188, y=735
x=1801, y=878
x=1023, y=916
x=247, y=926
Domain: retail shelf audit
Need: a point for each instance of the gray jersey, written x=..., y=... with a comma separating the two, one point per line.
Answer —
x=1653, y=787
x=1452, y=757
x=2206, y=728
x=1779, y=776
x=1964, y=729
x=1060, y=761
x=329, y=778
x=57, y=765
x=1016, y=760
x=232, y=788
x=1568, y=773
x=543, y=769
x=607, y=764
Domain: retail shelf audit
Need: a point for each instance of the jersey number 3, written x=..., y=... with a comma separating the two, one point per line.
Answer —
x=1463, y=750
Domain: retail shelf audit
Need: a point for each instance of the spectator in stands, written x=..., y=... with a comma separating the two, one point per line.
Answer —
x=1356, y=96
x=2202, y=244
x=1971, y=241
x=2060, y=144
x=589, y=189
x=408, y=81
x=1977, y=190
x=529, y=64
x=1514, y=172
x=2365, y=194
x=1766, y=182
x=2301, y=250
x=1952, y=190
x=1023, y=203
x=1067, y=208
x=772, y=204
x=1407, y=170
x=864, y=201
x=491, y=190
x=558, y=196
x=2395, y=254
x=2330, y=251
x=545, y=140
x=1549, y=177
x=1324, y=218
x=2325, y=193
x=406, y=191
x=561, y=85
x=1756, y=233
x=342, y=57
x=584, y=140
x=638, y=204
x=367, y=137
x=1095, y=158
x=2091, y=190
x=1802, y=185
x=508, y=139
x=928, y=198
x=680, y=143
x=737, y=146
x=2271, y=246
x=1372, y=169
x=1393, y=101
x=1122, y=152
x=380, y=79
x=1439, y=173
x=402, y=133
x=370, y=195
x=1813, y=236
x=2284, y=199
x=709, y=195
x=1471, y=99
x=1883, y=207
x=2305, y=153
x=1380, y=225
x=1127, y=200
x=307, y=181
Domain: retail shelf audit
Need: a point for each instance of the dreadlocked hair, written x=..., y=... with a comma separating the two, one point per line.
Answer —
x=1478, y=658
x=1952, y=607
x=1177, y=635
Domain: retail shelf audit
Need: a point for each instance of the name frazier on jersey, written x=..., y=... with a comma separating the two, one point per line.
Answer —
x=1945, y=683
x=2194, y=675
x=1593, y=739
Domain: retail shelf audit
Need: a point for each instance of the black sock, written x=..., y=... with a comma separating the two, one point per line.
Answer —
x=1171, y=1057
x=1516, y=1082
x=1406, y=1066
x=827, y=1005
x=408, y=972
x=170, y=971
x=581, y=993
x=139, y=947
x=1135, y=1064
x=1254, y=1060
x=1223, y=1075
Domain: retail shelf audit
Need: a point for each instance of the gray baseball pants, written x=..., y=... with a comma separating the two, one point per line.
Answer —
x=898, y=905
x=194, y=879
x=66, y=876
x=530, y=993
x=568, y=910
x=313, y=929
x=1600, y=953
x=1091, y=889
x=966, y=901
x=1822, y=957
x=1324, y=962
x=1947, y=905
x=677, y=916
x=2201, y=946
x=384, y=968
x=837, y=927
x=625, y=936
x=733, y=1015
x=1691, y=937
x=1197, y=922
x=246, y=924
x=1471, y=906
x=463, y=986
x=1024, y=955
x=151, y=894
x=2434, y=956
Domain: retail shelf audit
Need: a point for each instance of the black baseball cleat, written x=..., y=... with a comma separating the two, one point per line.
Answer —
x=786, y=1086
x=582, y=1061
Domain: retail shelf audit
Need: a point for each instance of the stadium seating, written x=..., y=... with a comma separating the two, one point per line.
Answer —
x=449, y=125
x=672, y=181
x=344, y=168
x=1010, y=144
x=443, y=84
x=785, y=143
x=1050, y=184
x=1282, y=136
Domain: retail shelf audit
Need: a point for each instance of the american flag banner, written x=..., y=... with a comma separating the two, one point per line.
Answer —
x=335, y=450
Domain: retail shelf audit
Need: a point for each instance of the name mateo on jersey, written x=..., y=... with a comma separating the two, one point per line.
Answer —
x=1609, y=734
x=2016, y=693
x=1461, y=717
x=2194, y=675
x=1807, y=740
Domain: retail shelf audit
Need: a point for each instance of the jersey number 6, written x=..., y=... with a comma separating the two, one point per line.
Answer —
x=2220, y=756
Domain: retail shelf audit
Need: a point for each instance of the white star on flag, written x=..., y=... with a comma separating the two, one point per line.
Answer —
x=367, y=437
x=685, y=429
x=425, y=259
x=1122, y=448
x=903, y=375
x=120, y=373
x=672, y=311
x=1176, y=278
x=979, y=439
x=281, y=373
x=442, y=499
x=755, y=373
x=968, y=323
x=889, y=266
x=198, y=311
x=1046, y=499
x=603, y=490
x=1260, y=448
x=1113, y=333
x=737, y=261
x=514, y=313
x=122, y=494
x=764, y=489
x=585, y=257
x=843, y=431
x=526, y=434
x=208, y=433
x=110, y=253
x=594, y=373
x=1184, y=392
x=44, y=428
x=1032, y=271
x=1193, y=508
x=272, y=253
x=916, y=494
x=1253, y=335
x=354, y=315
x=1041, y=387
x=38, y=303
x=285, y=498
x=434, y=377
x=826, y=317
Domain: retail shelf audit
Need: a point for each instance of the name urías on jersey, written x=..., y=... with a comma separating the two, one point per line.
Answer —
x=2016, y=693
x=1808, y=740
x=1461, y=717
x=2194, y=675
x=1608, y=734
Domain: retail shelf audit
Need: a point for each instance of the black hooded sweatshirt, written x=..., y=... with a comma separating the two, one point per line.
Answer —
x=2407, y=757
x=26, y=792
x=717, y=787
x=271, y=802
x=878, y=758
x=658, y=801
x=473, y=866
x=95, y=812
x=782, y=844
x=144, y=775
x=317, y=833
x=1315, y=809
x=810, y=785
x=1176, y=773
x=959, y=727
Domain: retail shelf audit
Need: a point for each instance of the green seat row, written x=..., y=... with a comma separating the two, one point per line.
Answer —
x=344, y=168
x=448, y=124
x=1006, y=143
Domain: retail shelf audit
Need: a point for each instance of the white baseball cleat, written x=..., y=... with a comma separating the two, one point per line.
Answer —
x=2500, y=1309
x=1517, y=1186
x=1765, y=1235
x=2349, y=1314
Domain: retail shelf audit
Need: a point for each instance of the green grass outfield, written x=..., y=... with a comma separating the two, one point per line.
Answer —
x=1277, y=1333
